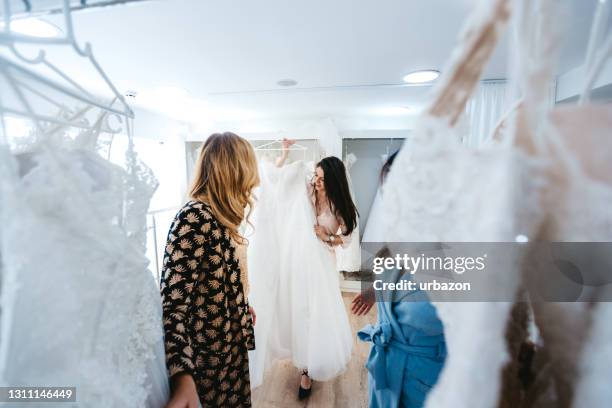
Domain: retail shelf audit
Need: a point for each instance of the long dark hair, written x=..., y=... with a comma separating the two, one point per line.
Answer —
x=386, y=168
x=338, y=192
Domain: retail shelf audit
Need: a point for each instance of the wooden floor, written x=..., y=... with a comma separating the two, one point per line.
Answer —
x=280, y=386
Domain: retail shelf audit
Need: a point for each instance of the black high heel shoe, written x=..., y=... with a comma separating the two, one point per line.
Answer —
x=304, y=393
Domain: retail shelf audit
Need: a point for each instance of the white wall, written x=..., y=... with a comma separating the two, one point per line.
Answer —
x=571, y=84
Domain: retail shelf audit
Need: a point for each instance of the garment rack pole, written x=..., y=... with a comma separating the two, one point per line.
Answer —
x=82, y=5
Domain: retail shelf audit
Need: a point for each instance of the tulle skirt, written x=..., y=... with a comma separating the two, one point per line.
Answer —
x=294, y=282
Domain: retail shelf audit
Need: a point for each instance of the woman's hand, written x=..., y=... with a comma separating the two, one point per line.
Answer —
x=185, y=394
x=362, y=303
x=287, y=143
x=253, y=315
x=322, y=233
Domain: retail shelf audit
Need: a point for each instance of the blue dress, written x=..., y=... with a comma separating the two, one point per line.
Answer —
x=407, y=354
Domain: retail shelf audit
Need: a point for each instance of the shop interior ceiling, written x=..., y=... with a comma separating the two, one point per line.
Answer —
x=203, y=60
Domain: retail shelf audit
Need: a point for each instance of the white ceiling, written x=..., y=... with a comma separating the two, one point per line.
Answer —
x=230, y=54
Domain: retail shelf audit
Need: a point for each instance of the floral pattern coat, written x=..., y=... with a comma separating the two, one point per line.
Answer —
x=207, y=324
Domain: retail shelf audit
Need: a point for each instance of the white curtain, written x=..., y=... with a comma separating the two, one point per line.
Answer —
x=484, y=111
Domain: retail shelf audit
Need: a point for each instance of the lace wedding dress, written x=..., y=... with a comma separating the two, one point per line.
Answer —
x=551, y=182
x=593, y=389
x=440, y=190
x=79, y=305
x=578, y=144
x=294, y=282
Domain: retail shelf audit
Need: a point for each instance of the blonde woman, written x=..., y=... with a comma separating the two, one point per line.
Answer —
x=207, y=320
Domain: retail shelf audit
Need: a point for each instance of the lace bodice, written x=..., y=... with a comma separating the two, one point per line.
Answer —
x=440, y=190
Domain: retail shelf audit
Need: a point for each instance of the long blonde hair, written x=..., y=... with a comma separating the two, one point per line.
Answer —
x=225, y=176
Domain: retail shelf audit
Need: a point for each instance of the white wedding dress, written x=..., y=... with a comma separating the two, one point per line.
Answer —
x=79, y=305
x=440, y=190
x=294, y=282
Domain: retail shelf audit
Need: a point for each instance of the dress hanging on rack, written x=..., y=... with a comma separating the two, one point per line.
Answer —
x=577, y=144
x=547, y=180
x=79, y=304
x=440, y=190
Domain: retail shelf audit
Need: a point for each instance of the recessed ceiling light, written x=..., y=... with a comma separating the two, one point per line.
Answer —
x=421, y=77
x=34, y=27
x=287, y=82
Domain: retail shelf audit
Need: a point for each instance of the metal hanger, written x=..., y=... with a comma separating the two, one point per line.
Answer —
x=267, y=146
x=66, y=86
x=276, y=145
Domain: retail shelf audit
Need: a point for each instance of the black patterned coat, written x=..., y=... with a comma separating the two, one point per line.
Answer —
x=207, y=324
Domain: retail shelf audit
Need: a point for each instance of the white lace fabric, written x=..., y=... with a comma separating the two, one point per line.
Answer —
x=551, y=182
x=579, y=208
x=440, y=190
x=79, y=305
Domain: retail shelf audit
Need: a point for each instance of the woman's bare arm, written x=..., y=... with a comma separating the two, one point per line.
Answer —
x=287, y=143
